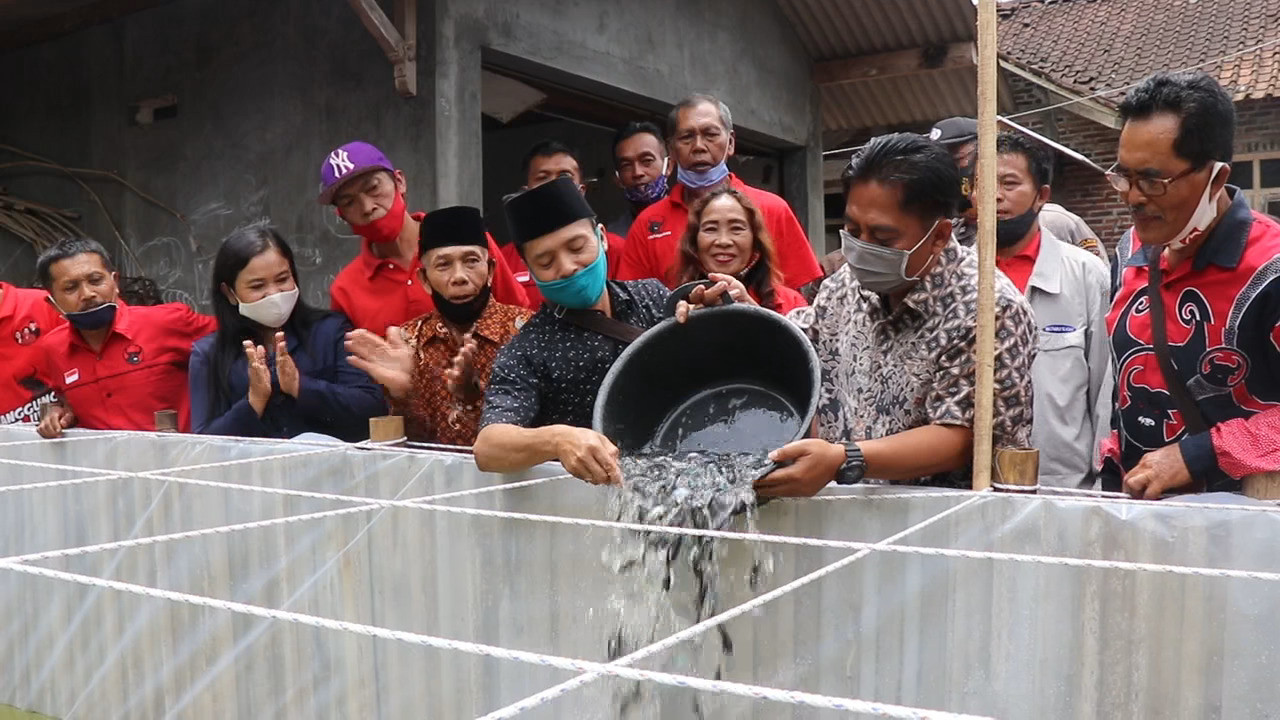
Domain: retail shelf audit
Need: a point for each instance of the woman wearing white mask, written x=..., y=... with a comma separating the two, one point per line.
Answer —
x=276, y=367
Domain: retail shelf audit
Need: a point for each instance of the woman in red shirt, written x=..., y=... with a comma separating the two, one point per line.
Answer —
x=726, y=234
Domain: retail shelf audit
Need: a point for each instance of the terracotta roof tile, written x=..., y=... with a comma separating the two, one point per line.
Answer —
x=1093, y=45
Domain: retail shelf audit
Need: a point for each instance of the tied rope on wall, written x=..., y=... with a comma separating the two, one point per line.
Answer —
x=41, y=226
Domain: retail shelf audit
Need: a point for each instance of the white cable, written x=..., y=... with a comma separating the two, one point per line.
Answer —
x=202, y=466
x=759, y=537
x=242, y=461
x=54, y=441
x=59, y=483
x=956, y=493
x=855, y=545
x=695, y=630
x=256, y=524
x=757, y=692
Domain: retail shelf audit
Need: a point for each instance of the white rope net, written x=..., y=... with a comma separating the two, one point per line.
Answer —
x=146, y=575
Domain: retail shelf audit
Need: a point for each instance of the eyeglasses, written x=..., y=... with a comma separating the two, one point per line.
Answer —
x=1149, y=186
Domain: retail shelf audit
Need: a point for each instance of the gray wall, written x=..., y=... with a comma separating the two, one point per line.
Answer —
x=265, y=89
x=646, y=54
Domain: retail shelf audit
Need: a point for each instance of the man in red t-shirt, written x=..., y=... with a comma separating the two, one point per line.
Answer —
x=113, y=366
x=546, y=161
x=380, y=287
x=700, y=132
x=26, y=315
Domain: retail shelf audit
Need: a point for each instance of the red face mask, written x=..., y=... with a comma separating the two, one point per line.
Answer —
x=386, y=228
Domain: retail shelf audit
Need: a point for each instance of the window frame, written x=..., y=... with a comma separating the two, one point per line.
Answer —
x=1259, y=197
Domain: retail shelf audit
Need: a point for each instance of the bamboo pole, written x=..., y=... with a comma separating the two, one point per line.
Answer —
x=984, y=396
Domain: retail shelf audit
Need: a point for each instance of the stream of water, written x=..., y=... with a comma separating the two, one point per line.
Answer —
x=711, y=491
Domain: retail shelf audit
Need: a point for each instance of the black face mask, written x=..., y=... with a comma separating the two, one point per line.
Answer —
x=462, y=314
x=95, y=319
x=1010, y=231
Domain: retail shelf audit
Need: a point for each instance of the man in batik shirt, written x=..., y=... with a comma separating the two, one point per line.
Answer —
x=435, y=367
x=894, y=332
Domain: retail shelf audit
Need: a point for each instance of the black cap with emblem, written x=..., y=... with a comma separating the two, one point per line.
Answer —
x=456, y=225
x=546, y=208
x=954, y=131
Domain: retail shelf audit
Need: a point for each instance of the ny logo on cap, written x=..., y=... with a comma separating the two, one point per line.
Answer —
x=340, y=162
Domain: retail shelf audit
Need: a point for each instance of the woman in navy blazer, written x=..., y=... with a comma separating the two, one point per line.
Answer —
x=276, y=367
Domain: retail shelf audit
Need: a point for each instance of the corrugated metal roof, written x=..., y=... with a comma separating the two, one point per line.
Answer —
x=834, y=29
x=900, y=101
x=838, y=29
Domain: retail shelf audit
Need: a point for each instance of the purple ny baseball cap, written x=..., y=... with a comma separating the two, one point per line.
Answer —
x=346, y=162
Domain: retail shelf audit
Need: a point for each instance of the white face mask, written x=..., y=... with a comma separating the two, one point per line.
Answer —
x=1204, y=215
x=272, y=311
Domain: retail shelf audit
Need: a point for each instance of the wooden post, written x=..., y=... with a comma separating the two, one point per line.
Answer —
x=386, y=429
x=1262, y=486
x=1017, y=470
x=984, y=393
x=166, y=421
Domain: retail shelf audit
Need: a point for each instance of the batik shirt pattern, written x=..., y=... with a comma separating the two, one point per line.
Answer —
x=885, y=372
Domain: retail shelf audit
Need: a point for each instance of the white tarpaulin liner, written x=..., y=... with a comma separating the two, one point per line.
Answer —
x=152, y=576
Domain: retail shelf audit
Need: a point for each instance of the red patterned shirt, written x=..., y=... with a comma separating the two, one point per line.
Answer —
x=1222, y=312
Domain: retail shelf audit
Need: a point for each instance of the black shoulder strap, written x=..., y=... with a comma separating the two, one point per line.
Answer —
x=1191, y=416
x=598, y=322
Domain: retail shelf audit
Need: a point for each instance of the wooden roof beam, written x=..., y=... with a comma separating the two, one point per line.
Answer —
x=1087, y=108
x=398, y=40
x=896, y=64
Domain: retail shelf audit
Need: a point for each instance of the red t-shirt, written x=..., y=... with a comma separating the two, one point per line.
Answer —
x=655, y=236
x=375, y=293
x=26, y=315
x=140, y=369
x=786, y=298
x=1019, y=267
x=522, y=275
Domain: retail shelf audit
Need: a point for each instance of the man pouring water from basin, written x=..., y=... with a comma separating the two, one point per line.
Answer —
x=894, y=332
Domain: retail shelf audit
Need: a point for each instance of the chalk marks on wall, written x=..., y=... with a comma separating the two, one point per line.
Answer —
x=176, y=267
x=309, y=257
x=305, y=253
x=336, y=226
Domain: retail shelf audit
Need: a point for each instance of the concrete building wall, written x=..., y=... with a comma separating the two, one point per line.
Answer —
x=265, y=89
x=647, y=55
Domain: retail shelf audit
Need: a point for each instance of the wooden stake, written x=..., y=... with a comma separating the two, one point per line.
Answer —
x=1017, y=470
x=1262, y=486
x=166, y=421
x=387, y=428
x=984, y=396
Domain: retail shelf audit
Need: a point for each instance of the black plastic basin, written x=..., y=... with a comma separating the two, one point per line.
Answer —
x=735, y=378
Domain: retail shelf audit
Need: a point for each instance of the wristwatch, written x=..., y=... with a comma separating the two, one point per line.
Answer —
x=854, y=467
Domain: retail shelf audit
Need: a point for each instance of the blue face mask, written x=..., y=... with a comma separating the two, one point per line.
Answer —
x=648, y=193
x=695, y=180
x=582, y=289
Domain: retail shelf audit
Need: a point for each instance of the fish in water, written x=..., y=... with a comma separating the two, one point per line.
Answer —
x=700, y=490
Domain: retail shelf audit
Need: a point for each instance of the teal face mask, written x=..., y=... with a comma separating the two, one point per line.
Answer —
x=582, y=289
